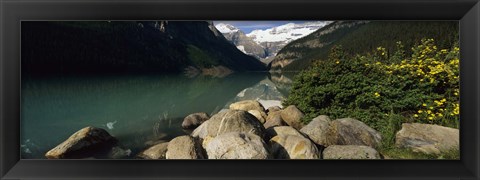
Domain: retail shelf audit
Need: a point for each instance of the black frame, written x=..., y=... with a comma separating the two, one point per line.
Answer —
x=13, y=11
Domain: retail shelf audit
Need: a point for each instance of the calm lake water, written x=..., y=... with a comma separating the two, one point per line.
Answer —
x=137, y=110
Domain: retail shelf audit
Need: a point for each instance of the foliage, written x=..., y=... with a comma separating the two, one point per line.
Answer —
x=358, y=38
x=383, y=90
x=201, y=58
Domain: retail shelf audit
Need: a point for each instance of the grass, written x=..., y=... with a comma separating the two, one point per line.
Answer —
x=399, y=153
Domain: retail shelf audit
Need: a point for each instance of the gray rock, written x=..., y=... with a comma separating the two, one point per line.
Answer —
x=184, y=147
x=237, y=145
x=82, y=144
x=348, y=131
x=292, y=116
x=229, y=121
x=293, y=147
x=194, y=120
x=427, y=138
x=350, y=152
x=282, y=130
x=274, y=119
x=157, y=151
x=247, y=105
x=260, y=115
x=317, y=129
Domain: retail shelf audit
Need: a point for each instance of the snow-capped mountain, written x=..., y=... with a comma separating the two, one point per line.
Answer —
x=226, y=28
x=287, y=32
x=264, y=44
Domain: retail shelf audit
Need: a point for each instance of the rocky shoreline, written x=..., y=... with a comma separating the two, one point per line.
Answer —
x=249, y=131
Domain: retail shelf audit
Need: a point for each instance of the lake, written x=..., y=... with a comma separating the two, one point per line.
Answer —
x=138, y=110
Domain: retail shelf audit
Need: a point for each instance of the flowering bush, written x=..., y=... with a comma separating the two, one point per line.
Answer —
x=372, y=88
x=436, y=73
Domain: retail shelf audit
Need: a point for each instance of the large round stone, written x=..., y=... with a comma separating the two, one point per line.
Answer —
x=184, y=147
x=194, y=120
x=157, y=151
x=247, y=105
x=292, y=116
x=293, y=147
x=84, y=143
x=230, y=121
x=350, y=152
x=237, y=145
x=274, y=119
x=428, y=138
x=350, y=131
x=317, y=129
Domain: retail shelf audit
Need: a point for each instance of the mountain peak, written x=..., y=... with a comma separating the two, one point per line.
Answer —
x=287, y=32
x=226, y=28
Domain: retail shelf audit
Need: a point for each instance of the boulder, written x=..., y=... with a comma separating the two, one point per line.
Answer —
x=237, y=145
x=292, y=116
x=260, y=115
x=427, y=138
x=247, y=105
x=282, y=130
x=157, y=151
x=229, y=121
x=350, y=152
x=293, y=147
x=184, y=147
x=274, y=119
x=317, y=129
x=84, y=143
x=348, y=131
x=194, y=120
x=274, y=109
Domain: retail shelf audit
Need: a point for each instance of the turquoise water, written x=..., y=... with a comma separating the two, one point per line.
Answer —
x=137, y=110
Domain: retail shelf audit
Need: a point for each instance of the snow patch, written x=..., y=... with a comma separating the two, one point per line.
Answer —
x=287, y=32
x=242, y=48
x=226, y=28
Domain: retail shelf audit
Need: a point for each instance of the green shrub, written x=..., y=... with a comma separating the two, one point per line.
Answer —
x=382, y=90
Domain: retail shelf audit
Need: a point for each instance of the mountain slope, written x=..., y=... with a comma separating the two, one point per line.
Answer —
x=241, y=41
x=127, y=47
x=359, y=37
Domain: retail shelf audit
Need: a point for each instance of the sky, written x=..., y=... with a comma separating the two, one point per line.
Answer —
x=249, y=26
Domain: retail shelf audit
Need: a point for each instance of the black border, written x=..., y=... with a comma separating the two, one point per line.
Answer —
x=13, y=11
